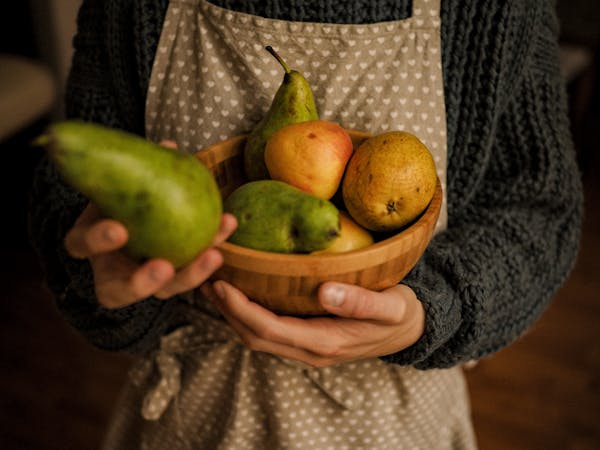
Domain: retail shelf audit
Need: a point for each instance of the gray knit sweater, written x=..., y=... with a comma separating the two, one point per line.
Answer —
x=514, y=193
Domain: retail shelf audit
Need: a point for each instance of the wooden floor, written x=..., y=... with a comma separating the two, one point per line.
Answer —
x=542, y=393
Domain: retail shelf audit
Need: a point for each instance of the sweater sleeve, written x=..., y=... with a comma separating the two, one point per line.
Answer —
x=54, y=206
x=505, y=254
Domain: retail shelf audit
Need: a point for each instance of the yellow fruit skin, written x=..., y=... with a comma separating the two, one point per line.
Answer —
x=352, y=237
x=389, y=180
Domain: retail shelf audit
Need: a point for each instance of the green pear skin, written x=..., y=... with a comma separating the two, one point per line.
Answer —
x=168, y=201
x=274, y=216
x=293, y=102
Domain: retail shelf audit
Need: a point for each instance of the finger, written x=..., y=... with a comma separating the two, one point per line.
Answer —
x=355, y=302
x=204, y=266
x=192, y=275
x=106, y=235
x=117, y=292
x=319, y=335
x=257, y=343
x=226, y=228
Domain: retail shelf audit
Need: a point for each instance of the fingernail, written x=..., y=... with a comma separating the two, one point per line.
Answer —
x=334, y=295
x=219, y=290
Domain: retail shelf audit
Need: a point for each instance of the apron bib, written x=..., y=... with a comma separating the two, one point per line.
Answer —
x=203, y=389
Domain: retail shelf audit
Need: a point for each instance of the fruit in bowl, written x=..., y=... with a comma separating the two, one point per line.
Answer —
x=288, y=283
x=310, y=155
x=389, y=181
x=292, y=103
x=278, y=217
x=352, y=236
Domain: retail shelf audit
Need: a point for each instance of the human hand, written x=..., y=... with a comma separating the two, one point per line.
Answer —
x=366, y=323
x=120, y=281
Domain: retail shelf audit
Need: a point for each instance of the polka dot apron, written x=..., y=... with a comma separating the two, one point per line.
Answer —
x=202, y=388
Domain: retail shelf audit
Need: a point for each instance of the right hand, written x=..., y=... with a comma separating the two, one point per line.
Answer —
x=119, y=281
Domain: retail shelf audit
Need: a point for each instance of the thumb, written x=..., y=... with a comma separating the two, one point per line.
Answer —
x=355, y=302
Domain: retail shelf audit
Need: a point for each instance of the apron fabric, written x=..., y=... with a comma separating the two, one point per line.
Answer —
x=202, y=388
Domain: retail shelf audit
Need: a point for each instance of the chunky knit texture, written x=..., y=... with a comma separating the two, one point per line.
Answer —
x=514, y=193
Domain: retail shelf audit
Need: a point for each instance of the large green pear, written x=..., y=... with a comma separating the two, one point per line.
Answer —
x=277, y=217
x=293, y=102
x=168, y=201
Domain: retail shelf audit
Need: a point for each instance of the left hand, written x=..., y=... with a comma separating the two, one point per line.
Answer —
x=366, y=323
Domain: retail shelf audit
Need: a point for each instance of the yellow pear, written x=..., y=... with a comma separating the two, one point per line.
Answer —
x=389, y=180
x=352, y=236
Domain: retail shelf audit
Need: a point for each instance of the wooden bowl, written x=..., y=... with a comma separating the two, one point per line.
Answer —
x=287, y=283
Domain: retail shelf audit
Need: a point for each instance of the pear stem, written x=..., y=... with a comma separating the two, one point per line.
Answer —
x=278, y=58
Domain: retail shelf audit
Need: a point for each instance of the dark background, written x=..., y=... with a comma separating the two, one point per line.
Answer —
x=56, y=392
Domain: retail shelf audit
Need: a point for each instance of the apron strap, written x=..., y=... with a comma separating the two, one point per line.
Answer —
x=426, y=9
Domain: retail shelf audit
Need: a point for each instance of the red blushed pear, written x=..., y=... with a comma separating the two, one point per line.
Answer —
x=311, y=156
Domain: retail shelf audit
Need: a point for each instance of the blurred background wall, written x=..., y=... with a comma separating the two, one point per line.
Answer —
x=35, y=53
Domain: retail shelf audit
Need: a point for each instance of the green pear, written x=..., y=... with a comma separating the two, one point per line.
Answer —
x=293, y=102
x=168, y=201
x=277, y=217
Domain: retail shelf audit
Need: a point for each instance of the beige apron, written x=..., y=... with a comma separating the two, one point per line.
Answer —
x=203, y=389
